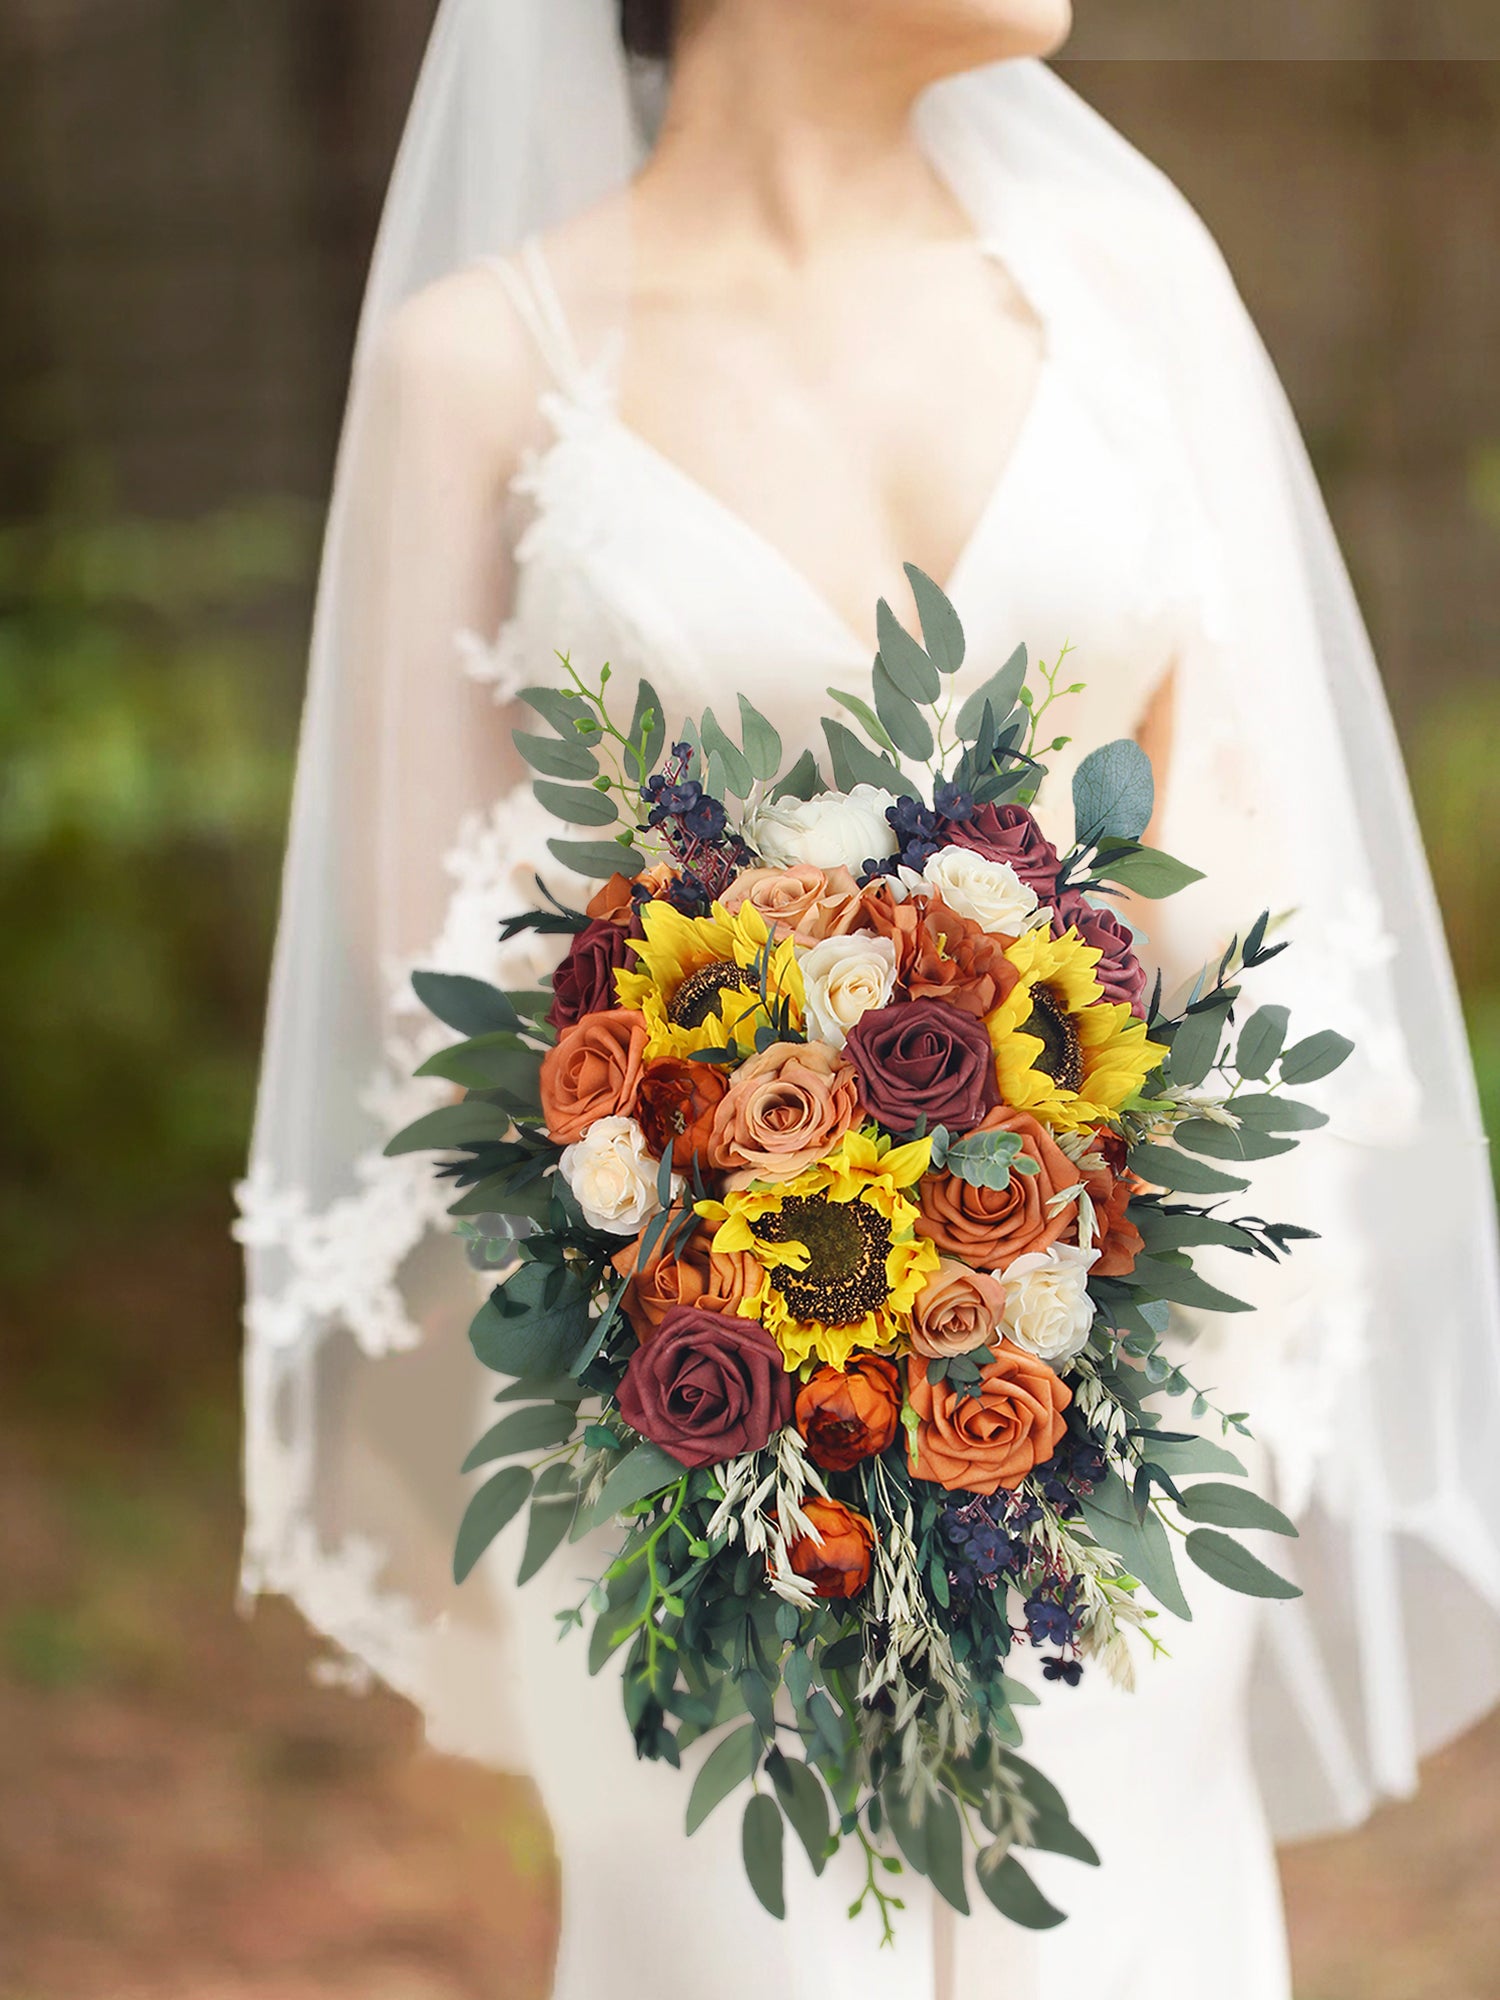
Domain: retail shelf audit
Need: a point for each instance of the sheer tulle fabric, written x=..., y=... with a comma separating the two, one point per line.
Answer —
x=413, y=830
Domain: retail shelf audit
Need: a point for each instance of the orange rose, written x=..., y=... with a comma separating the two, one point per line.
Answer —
x=594, y=1072
x=939, y=954
x=613, y=904
x=802, y=902
x=851, y=1415
x=784, y=1110
x=675, y=1107
x=1110, y=1188
x=987, y=1227
x=979, y=1443
x=838, y=1565
x=956, y=1311
x=692, y=1275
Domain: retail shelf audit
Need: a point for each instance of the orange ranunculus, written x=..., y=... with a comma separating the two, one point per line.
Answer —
x=987, y=1227
x=594, y=1072
x=851, y=1414
x=675, y=1107
x=1110, y=1188
x=979, y=1443
x=690, y=1275
x=939, y=954
x=801, y=902
x=839, y=1565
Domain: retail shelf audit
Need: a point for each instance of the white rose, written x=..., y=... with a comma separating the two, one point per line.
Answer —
x=845, y=977
x=613, y=1176
x=836, y=829
x=1047, y=1307
x=988, y=893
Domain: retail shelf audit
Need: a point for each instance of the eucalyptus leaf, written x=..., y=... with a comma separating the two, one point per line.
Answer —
x=450, y=1127
x=1224, y=1142
x=854, y=764
x=531, y=1429
x=564, y=711
x=1166, y=1166
x=492, y=1509
x=945, y=1851
x=1114, y=793
x=1000, y=693
x=1182, y=1285
x=1141, y=1543
x=491, y=1062
x=983, y=1159
x=577, y=805
x=1261, y=1041
x=942, y=632
x=905, y=724
x=1228, y=1562
x=866, y=717
x=805, y=1804
x=728, y=1765
x=1318, y=1056
x=534, y=1322
x=1058, y=1835
x=1217, y=1504
x=1193, y=1455
x=1012, y=1890
x=727, y=756
x=557, y=756
x=645, y=1470
x=1269, y=1111
x=599, y=858
x=761, y=1844
x=648, y=702
x=1147, y=872
x=1195, y=1046
x=905, y=661
x=803, y=781
x=762, y=743
x=472, y=1006
x=552, y=1504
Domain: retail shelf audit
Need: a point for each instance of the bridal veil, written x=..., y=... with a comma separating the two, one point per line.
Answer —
x=1288, y=788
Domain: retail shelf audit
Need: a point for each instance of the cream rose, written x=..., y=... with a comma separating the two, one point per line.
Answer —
x=1048, y=1311
x=834, y=830
x=845, y=977
x=989, y=893
x=613, y=1176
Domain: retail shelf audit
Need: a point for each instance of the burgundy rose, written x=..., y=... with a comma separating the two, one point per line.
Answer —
x=708, y=1387
x=1119, y=972
x=585, y=981
x=1008, y=833
x=924, y=1059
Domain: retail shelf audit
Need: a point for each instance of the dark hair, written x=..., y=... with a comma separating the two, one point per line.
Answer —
x=647, y=26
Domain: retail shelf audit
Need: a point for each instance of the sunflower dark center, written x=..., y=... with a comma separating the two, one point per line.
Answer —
x=698, y=995
x=1062, y=1051
x=847, y=1243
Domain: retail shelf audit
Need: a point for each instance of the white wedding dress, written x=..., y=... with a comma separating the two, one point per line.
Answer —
x=624, y=557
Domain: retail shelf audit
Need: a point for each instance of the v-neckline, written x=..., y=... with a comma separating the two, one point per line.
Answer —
x=774, y=558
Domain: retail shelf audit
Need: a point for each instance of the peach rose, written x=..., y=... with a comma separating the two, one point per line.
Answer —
x=800, y=902
x=675, y=1107
x=594, y=1072
x=785, y=1108
x=692, y=1275
x=980, y=1443
x=989, y=1226
x=956, y=1311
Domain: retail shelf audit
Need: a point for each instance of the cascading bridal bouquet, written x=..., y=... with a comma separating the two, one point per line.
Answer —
x=860, y=1168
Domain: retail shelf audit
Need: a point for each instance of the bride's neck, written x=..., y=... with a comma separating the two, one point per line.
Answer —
x=773, y=131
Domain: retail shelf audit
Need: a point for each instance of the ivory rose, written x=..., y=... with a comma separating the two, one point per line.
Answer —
x=613, y=1176
x=1009, y=833
x=800, y=902
x=845, y=977
x=1048, y=1311
x=956, y=1311
x=594, y=1072
x=987, y=1227
x=980, y=1443
x=989, y=893
x=784, y=1109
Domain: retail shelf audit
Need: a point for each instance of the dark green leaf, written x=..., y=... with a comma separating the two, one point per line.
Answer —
x=905, y=661
x=1013, y=1892
x=854, y=764
x=726, y=1767
x=491, y=1062
x=945, y=1852
x=1182, y=1285
x=1000, y=692
x=1183, y=1229
x=1219, y=1505
x=910, y=1833
x=1260, y=1041
x=552, y=1505
x=761, y=1844
x=1056, y=1834
x=648, y=702
x=1317, y=1056
x=450, y=1127
x=1113, y=793
x=805, y=1804
x=578, y=805
x=762, y=743
x=1227, y=1562
x=472, y=1006
x=493, y=1507
x=534, y=1323
x=1195, y=1046
x=1165, y=1166
x=905, y=724
x=1147, y=872
x=942, y=633
x=523, y=1430
x=1140, y=1543
x=600, y=858
x=644, y=1471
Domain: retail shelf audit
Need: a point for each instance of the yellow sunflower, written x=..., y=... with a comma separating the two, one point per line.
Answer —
x=1062, y=1051
x=698, y=980
x=842, y=1259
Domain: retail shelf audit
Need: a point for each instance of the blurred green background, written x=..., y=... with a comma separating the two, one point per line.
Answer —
x=186, y=201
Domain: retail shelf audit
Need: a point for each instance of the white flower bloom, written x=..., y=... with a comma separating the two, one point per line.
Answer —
x=845, y=977
x=836, y=829
x=988, y=893
x=1047, y=1307
x=613, y=1176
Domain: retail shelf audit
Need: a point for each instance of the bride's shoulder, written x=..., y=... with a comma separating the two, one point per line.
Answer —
x=459, y=347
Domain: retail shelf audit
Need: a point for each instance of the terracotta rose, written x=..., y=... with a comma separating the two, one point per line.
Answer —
x=850, y=1414
x=692, y=1275
x=785, y=1109
x=981, y=1443
x=594, y=1072
x=839, y=1565
x=939, y=954
x=987, y=1227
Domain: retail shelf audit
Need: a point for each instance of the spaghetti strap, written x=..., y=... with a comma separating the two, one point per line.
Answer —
x=528, y=281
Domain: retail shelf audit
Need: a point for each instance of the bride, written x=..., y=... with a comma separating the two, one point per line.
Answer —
x=878, y=290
